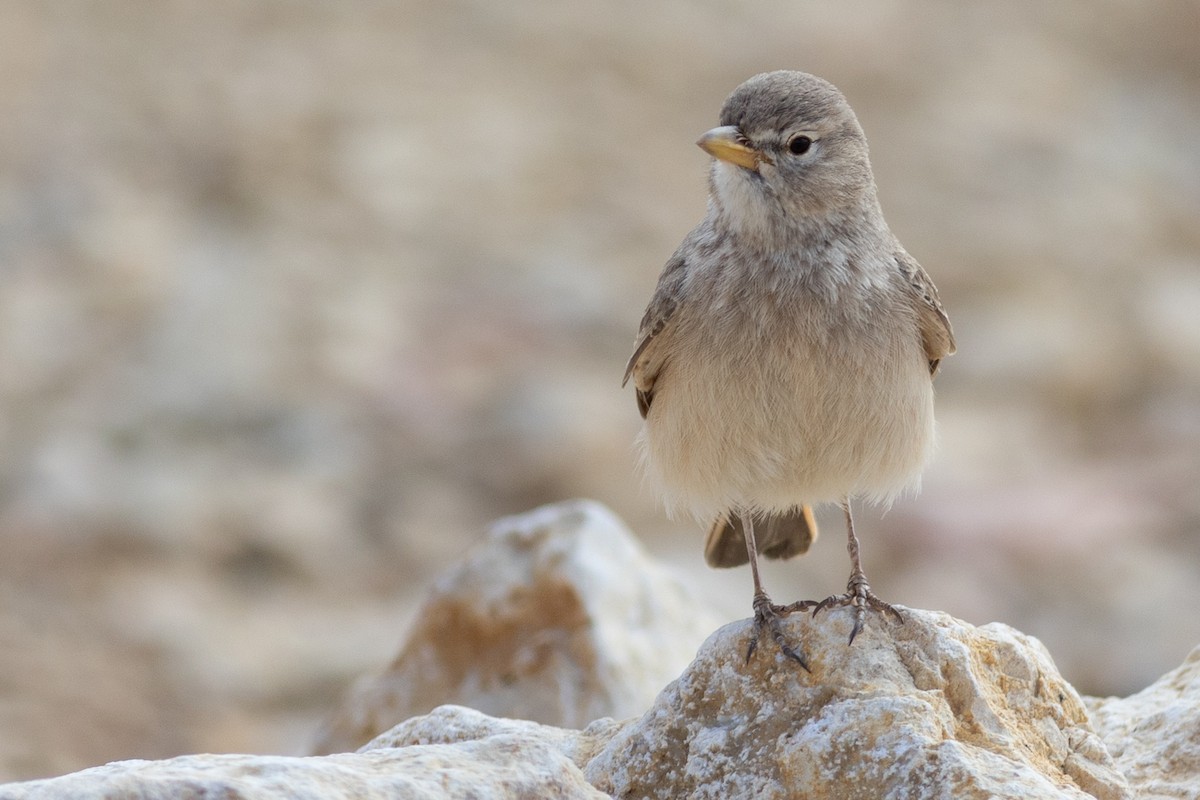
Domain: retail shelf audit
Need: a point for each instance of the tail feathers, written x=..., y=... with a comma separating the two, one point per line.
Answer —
x=777, y=536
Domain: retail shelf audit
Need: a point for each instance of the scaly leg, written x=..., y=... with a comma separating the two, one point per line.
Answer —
x=766, y=613
x=858, y=592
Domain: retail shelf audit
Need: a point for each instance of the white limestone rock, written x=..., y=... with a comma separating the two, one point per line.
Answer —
x=559, y=616
x=933, y=708
x=453, y=724
x=1154, y=735
x=496, y=768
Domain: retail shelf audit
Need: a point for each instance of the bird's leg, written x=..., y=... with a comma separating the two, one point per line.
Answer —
x=858, y=592
x=766, y=613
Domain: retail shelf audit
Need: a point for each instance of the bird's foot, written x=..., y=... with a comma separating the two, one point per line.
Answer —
x=767, y=619
x=859, y=596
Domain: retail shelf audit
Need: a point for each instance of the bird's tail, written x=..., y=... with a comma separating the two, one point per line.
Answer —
x=777, y=535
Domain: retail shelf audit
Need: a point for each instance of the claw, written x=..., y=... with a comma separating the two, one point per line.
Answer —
x=826, y=603
x=858, y=594
x=768, y=615
x=858, y=623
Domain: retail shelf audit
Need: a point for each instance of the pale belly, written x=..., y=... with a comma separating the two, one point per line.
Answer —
x=773, y=421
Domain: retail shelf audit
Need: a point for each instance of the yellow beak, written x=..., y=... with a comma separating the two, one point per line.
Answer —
x=728, y=144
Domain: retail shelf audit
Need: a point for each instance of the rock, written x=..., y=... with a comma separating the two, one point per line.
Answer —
x=453, y=724
x=559, y=617
x=931, y=708
x=499, y=767
x=1154, y=735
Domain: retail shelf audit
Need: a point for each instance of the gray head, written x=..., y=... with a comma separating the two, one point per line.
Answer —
x=789, y=147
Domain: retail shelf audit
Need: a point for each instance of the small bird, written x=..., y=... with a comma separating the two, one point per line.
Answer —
x=787, y=356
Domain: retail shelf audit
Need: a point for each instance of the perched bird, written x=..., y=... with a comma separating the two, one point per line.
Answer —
x=787, y=356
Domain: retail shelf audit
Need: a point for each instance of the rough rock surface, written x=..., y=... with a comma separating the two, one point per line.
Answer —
x=559, y=617
x=1154, y=735
x=933, y=708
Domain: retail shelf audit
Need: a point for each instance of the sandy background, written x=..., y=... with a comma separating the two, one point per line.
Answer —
x=296, y=297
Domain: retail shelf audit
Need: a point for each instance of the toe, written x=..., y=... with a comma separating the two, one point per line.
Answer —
x=768, y=616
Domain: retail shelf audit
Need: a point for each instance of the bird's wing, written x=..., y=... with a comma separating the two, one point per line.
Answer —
x=643, y=365
x=936, y=333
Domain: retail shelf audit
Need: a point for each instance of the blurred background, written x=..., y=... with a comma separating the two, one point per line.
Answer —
x=296, y=297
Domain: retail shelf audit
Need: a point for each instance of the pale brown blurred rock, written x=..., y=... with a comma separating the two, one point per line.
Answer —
x=559, y=617
x=1154, y=735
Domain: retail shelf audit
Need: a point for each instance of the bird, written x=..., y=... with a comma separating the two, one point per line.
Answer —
x=786, y=358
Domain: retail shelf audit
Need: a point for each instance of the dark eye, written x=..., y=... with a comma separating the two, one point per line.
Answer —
x=799, y=144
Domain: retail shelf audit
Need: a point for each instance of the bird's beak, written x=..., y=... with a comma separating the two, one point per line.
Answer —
x=728, y=144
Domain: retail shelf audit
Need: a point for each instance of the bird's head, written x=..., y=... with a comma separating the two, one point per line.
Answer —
x=788, y=148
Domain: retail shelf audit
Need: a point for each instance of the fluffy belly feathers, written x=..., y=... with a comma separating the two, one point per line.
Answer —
x=809, y=424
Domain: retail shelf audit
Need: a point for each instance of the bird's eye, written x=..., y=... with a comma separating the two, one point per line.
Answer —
x=799, y=145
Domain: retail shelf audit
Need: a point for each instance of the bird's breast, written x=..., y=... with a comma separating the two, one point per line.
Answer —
x=780, y=396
